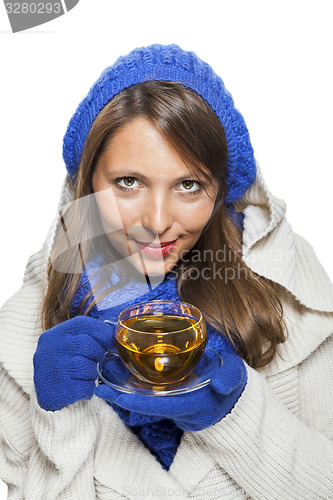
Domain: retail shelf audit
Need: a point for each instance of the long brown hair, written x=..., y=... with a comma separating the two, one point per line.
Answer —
x=213, y=275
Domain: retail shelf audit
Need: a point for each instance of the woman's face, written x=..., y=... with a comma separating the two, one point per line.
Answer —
x=152, y=208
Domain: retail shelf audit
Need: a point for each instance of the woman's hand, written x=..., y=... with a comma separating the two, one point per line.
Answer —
x=193, y=411
x=65, y=361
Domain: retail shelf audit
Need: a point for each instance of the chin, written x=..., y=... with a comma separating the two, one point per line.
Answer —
x=153, y=268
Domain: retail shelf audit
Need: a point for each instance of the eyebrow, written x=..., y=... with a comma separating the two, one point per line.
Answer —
x=124, y=172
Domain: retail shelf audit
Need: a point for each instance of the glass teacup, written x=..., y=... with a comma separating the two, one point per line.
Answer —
x=161, y=342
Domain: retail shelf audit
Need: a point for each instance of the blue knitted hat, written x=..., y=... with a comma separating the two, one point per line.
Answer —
x=168, y=63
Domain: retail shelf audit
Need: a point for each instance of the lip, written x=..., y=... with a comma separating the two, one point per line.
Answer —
x=156, y=251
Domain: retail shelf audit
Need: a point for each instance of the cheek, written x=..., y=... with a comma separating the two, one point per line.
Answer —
x=108, y=209
x=197, y=217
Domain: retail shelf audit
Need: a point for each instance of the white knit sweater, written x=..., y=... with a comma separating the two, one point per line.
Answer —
x=277, y=443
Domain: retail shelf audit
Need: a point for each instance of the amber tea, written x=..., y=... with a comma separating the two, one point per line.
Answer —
x=161, y=348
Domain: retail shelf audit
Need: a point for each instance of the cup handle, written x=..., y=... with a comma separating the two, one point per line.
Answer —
x=113, y=323
x=111, y=352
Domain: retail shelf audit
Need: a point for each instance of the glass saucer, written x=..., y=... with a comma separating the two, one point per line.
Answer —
x=114, y=373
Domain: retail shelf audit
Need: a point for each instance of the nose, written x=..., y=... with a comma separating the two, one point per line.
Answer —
x=158, y=213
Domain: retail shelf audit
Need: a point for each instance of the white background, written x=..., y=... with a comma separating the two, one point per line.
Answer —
x=274, y=59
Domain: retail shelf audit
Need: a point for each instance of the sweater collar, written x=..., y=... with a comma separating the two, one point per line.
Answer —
x=271, y=249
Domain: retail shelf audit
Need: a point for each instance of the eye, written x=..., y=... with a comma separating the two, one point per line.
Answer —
x=189, y=186
x=127, y=183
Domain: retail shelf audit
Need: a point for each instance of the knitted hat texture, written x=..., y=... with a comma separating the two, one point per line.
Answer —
x=166, y=63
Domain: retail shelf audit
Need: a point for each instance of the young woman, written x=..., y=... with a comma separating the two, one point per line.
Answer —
x=164, y=200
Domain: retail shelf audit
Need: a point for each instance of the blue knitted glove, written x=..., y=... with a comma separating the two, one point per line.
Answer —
x=65, y=361
x=195, y=410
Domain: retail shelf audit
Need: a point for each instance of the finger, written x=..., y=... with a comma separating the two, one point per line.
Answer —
x=229, y=376
x=83, y=369
x=102, y=332
x=163, y=406
x=83, y=389
x=107, y=393
x=86, y=346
